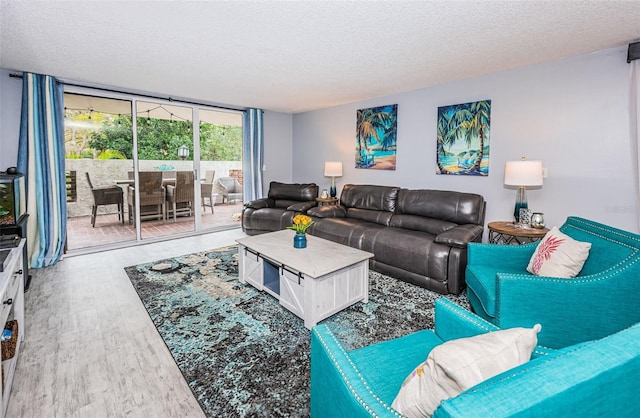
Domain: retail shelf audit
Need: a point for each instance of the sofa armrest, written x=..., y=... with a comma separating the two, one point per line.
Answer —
x=337, y=387
x=260, y=203
x=503, y=256
x=460, y=235
x=302, y=206
x=592, y=306
x=334, y=211
x=453, y=321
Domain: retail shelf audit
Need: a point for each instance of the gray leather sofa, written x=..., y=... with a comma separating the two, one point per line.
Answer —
x=419, y=236
x=276, y=211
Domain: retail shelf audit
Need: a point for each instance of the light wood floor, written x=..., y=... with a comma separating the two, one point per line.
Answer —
x=90, y=348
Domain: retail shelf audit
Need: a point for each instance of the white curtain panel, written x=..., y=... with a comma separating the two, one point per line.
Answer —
x=41, y=157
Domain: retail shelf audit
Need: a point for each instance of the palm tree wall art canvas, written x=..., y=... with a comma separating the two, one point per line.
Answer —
x=376, y=135
x=463, y=139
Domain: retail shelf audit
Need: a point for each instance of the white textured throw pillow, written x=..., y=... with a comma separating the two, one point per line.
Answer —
x=558, y=255
x=457, y=365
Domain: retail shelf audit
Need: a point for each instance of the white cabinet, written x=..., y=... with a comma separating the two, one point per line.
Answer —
x=12, y=297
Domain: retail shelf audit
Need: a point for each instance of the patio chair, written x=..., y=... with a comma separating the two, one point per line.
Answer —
x=168, y=178
x=206, y=190
x=152, y=197
x=180, y=196
x=106, y=195
x=230, y=189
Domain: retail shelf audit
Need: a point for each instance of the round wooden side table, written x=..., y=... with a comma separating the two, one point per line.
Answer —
x=509, y=233
x=327, y=201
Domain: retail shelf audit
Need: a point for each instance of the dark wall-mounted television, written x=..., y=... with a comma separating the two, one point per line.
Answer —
x=13, y=198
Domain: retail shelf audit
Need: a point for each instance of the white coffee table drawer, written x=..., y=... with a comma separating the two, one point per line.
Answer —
x=292, y=291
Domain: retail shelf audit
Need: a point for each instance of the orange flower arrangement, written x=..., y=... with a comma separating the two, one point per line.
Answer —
x=301, y=223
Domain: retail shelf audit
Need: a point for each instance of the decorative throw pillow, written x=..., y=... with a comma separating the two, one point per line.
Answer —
x=558, y=255
x=457, y=365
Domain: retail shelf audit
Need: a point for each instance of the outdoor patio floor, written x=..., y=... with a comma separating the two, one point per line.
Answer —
x=109, y=230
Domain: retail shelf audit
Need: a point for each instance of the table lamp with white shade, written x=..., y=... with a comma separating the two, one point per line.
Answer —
x=333, y=169
x=522, y=173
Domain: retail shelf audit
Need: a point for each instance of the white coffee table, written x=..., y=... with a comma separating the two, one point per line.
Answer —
x=314, y=282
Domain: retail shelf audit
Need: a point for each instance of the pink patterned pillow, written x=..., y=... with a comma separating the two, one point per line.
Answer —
x=558, y=255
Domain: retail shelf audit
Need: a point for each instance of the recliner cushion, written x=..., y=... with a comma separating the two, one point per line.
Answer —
x=456, y=207
x=260, y=204
x=369, y=197
x=298, y=192
x=332, y=211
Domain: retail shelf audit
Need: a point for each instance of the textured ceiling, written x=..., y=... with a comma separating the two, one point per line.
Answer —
x=298, y=56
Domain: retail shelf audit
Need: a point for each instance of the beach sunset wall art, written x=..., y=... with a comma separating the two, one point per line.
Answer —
x=463, y=139
x=376, y=136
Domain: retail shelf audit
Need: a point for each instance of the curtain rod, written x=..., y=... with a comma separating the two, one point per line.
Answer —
x=148, y=96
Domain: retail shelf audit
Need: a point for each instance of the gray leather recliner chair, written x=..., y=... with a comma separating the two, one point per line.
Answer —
x=276, y=211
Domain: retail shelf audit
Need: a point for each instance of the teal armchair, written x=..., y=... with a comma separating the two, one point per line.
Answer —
x=601, y=300
x=571, y=381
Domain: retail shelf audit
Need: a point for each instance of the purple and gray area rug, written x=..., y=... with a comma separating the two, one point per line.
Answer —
x=242, y=353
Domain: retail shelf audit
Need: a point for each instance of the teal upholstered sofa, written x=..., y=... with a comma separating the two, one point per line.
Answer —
x=598, y=378
x=601, y=300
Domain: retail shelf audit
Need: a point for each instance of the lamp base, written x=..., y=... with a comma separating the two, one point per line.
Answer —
x=332, y=189
x=521, y=202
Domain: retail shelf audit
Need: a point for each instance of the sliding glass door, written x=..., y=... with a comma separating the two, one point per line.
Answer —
x=166, y=181
x=220, y=145
x=98, y=148
x=161, y=177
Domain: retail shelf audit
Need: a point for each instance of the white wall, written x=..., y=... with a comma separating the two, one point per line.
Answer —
x=571, y=113
x=278, y=143
x=10, y=107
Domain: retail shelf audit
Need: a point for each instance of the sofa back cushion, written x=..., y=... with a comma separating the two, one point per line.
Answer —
x=369, y=197
x=456, y=207
x=292, y=192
